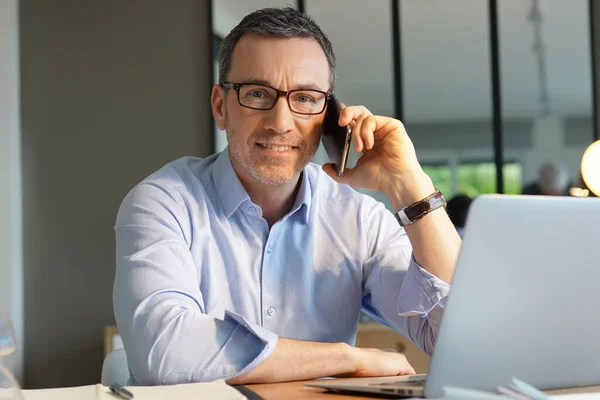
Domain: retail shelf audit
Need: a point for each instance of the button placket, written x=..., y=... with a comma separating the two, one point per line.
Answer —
x=268, y=303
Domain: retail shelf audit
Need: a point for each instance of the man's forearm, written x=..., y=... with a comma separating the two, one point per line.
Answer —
x=434, y=239
x=293, y=360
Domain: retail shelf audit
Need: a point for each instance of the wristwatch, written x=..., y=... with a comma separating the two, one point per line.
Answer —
x=418, y=210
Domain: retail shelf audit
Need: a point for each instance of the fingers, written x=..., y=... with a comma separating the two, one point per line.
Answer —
x=348, y=114
x=363, y=133
x=330, y=170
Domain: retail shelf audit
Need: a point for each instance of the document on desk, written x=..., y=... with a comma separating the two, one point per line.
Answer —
x=217, y=390
x=577, y=396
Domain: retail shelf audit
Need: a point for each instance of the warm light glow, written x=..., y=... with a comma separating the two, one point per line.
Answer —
x=590, y=167
x=579, y=192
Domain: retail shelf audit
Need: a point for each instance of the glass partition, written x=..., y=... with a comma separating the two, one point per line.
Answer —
x=447, y=92
x=545, y=69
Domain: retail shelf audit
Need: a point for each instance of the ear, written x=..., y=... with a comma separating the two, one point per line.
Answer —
x=217, y=101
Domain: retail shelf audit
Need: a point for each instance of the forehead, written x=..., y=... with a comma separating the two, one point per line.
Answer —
x=285, y=63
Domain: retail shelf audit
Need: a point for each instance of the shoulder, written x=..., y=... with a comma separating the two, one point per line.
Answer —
x=181, y=174
x=329, y=192
x=170, y=185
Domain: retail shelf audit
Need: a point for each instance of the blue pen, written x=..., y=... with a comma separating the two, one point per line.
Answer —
x=120, y=391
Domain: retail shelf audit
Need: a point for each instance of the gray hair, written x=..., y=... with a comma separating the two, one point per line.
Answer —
x=286, y=22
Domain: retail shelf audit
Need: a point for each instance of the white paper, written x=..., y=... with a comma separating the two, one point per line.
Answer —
x=577, y=396
x=217, y=390
x=71, y=393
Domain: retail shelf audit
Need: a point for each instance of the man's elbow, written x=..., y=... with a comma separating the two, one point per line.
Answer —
x=174, y=367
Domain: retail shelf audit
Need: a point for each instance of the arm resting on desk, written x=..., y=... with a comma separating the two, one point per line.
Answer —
x=293, y=360
x=168, y=336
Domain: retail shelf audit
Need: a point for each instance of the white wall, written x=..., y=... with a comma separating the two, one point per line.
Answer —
x=11, y=266
x=111, y=91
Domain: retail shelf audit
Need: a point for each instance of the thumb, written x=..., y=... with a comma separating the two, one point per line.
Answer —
x=331, y=171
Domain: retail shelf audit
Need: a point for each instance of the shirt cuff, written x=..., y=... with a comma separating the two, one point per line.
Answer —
x=421, y=292
x=268, y=338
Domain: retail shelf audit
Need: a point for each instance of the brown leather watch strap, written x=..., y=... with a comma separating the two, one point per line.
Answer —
x=418, y=210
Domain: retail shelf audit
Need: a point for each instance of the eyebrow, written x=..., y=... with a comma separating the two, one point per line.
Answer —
x=267, y=83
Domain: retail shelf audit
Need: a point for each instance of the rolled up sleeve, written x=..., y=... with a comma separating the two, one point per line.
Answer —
x=422, y=294
x=158, y=305
x=397, y=291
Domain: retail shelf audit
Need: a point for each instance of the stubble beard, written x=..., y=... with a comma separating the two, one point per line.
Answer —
x=274, y=175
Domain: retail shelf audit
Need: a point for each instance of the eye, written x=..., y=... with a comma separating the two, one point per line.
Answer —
x=257, y=93
x=304, y=97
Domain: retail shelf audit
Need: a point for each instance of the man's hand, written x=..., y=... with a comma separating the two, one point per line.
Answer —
x=374, y=362
x=389, y=163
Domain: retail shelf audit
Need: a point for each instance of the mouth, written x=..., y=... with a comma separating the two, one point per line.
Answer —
x=277, y=149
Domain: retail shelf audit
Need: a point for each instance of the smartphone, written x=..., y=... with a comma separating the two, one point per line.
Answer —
x=336, y=139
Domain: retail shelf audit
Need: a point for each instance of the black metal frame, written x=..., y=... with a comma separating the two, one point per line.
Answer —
x=211, y=71
x=397, y=52
x=593, y=54
x=497, y=132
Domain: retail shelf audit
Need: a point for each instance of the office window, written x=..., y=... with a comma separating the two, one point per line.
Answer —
x=474, y=178
x=545, y=68
x=447, y=92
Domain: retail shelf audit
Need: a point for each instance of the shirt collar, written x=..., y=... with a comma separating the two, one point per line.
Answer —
x=232, y=194
x=229, y=188
x=304, y=197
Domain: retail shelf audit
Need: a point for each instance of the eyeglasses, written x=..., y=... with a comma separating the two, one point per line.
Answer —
x=263, y=97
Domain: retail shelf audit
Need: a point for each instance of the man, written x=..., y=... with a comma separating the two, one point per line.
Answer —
x=253, y=265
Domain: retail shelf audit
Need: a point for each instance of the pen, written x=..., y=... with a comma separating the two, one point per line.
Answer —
x=120, y=391
x=512, y=393
x=529, y=390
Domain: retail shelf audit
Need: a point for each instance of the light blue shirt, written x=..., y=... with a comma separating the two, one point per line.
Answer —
x=204, y=288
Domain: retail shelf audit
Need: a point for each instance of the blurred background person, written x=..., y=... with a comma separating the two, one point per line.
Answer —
x=458, y=208
x=553, y=180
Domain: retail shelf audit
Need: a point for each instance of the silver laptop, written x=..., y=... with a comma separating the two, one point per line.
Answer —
x=525, y=302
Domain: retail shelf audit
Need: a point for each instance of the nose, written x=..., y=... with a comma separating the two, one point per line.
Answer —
x=280, y=118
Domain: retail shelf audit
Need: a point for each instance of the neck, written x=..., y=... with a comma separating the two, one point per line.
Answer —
x=274, y=200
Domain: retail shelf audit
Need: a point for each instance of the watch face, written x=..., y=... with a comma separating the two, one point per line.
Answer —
x=418, y=209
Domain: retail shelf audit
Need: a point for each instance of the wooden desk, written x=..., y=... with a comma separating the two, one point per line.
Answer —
x=297, y=391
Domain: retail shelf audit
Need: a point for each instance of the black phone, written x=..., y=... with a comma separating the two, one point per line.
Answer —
x=336, y=139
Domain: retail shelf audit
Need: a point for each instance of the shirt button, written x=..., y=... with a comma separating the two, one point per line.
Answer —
x=269, y=249
x=252, y=209
x=270, y=311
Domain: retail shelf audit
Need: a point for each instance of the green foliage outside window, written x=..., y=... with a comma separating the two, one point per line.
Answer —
x=475, y=178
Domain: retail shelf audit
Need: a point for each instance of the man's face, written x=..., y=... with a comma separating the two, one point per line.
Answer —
x=272, y=146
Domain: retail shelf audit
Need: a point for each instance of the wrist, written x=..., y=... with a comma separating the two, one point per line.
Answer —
x=408, y=189
x=354, y=359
